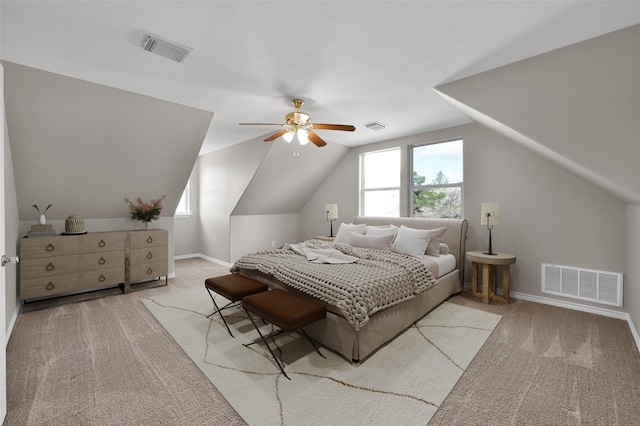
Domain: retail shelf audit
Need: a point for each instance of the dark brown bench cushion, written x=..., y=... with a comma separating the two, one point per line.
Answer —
x=286, y=310
x=234, y=286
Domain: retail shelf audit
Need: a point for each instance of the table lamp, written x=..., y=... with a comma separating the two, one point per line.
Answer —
x=490, y=217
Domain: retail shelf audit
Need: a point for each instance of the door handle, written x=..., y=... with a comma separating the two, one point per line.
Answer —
x=12, y=259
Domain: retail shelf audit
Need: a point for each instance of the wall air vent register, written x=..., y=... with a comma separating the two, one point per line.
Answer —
x=584, y=284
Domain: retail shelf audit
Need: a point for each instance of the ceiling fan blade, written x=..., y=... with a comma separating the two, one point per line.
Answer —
x=259, y=124
x=317, y=140
x=324, y=126
x=276, y=135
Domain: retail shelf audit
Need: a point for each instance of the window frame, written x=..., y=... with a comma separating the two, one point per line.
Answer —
x=363, y=190
x=413, y=188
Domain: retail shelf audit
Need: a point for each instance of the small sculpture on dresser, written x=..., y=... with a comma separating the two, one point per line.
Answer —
x=42, y=220
x=145, y=212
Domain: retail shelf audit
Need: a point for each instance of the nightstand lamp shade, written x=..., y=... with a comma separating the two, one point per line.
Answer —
x=331, y=212
x=490, y=217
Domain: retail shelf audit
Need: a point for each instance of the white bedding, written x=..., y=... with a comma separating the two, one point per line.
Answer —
x=446, y=263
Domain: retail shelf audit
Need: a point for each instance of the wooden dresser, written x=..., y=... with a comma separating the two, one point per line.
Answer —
x=64, y=264
x=149, y=254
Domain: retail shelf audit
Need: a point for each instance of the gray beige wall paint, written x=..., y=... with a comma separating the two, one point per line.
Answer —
x=252, y=233
x=547, y=213
x=577, y=105
x=84, y=147
x=186, y=230
x=223, y=177
x=632, y=278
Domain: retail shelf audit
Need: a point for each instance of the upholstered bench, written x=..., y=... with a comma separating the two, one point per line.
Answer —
x=285, y=310
x=232, y=287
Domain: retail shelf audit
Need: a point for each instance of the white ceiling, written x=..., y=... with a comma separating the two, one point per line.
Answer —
x=352, y=62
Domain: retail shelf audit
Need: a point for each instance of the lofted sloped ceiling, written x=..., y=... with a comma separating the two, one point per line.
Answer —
x=352, y=62
x=84, y=147
x=579, y=106
x=284, y=183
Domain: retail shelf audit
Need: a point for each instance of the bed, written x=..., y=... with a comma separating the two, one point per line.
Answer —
x=356, y=339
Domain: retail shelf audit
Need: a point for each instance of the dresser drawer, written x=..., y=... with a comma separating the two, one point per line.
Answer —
x=47, y=266
x=100, y=278
x=101, y=241
x=48, y=246
x=151, y=238
x=47, y=286
x=148, y=270
x=93, y=261
x=148, y=255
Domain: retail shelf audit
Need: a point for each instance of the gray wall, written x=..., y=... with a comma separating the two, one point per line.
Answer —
x=186, y=230
x=223, y=177
x=84, y=147
x=632, y=278
x=547, y=213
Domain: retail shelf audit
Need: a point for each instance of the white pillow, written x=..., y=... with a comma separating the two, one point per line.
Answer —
x=382, y=230
x=345, y=228
x=411, y=241
x=380, y=242
x=444, y=248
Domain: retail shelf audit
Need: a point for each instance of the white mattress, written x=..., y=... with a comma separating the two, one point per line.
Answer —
x=446, y=262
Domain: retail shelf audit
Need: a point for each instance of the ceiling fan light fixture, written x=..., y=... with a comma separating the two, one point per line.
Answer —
x=288, y=137
x=376, y=125
x=302, y=136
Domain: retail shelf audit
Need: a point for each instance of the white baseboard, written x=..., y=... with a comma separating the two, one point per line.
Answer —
x=202, y=256
x=584, y=308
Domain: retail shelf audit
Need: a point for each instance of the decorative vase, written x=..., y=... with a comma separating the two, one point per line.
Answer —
x=146, y=225
x=42, y=220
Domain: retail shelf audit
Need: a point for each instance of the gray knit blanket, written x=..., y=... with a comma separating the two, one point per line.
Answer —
x=376, y=280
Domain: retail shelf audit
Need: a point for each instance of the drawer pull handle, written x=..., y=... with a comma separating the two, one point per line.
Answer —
x=50, y=286
x=102, y=261
x=50, y=267
x=101, y=278
x=149, y=271
x=102, y=243
x=50, y=247
x=149, y=255
x=149, y=240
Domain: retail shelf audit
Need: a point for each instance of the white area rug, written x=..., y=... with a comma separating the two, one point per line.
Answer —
x=402, y=383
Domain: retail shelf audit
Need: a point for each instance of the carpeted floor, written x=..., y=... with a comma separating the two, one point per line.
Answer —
x=403, y=383
x=108, y=362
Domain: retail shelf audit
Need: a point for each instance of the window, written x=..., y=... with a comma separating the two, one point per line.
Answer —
x=437, y=180
x=184, y=208
x=380, y=183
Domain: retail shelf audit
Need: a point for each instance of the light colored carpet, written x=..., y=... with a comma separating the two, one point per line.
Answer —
x=402, y=383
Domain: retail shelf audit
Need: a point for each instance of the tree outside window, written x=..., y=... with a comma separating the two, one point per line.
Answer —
x=441, y=195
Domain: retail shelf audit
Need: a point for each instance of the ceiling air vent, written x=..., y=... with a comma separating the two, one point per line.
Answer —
x=163, y=47
x=375, y=126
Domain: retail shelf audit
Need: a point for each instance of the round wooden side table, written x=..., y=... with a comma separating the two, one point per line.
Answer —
x=490, y=264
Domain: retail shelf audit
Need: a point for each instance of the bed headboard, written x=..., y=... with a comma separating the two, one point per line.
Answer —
x=454, y=237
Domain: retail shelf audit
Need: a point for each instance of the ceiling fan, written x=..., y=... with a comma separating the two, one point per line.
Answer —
x=298, y=124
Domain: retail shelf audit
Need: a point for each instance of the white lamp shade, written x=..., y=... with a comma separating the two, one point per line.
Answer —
x=331, y=211
x=494, y=213
x=302, y=136
x=289, y=136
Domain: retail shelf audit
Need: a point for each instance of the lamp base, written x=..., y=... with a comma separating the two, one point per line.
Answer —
x=490, y=254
